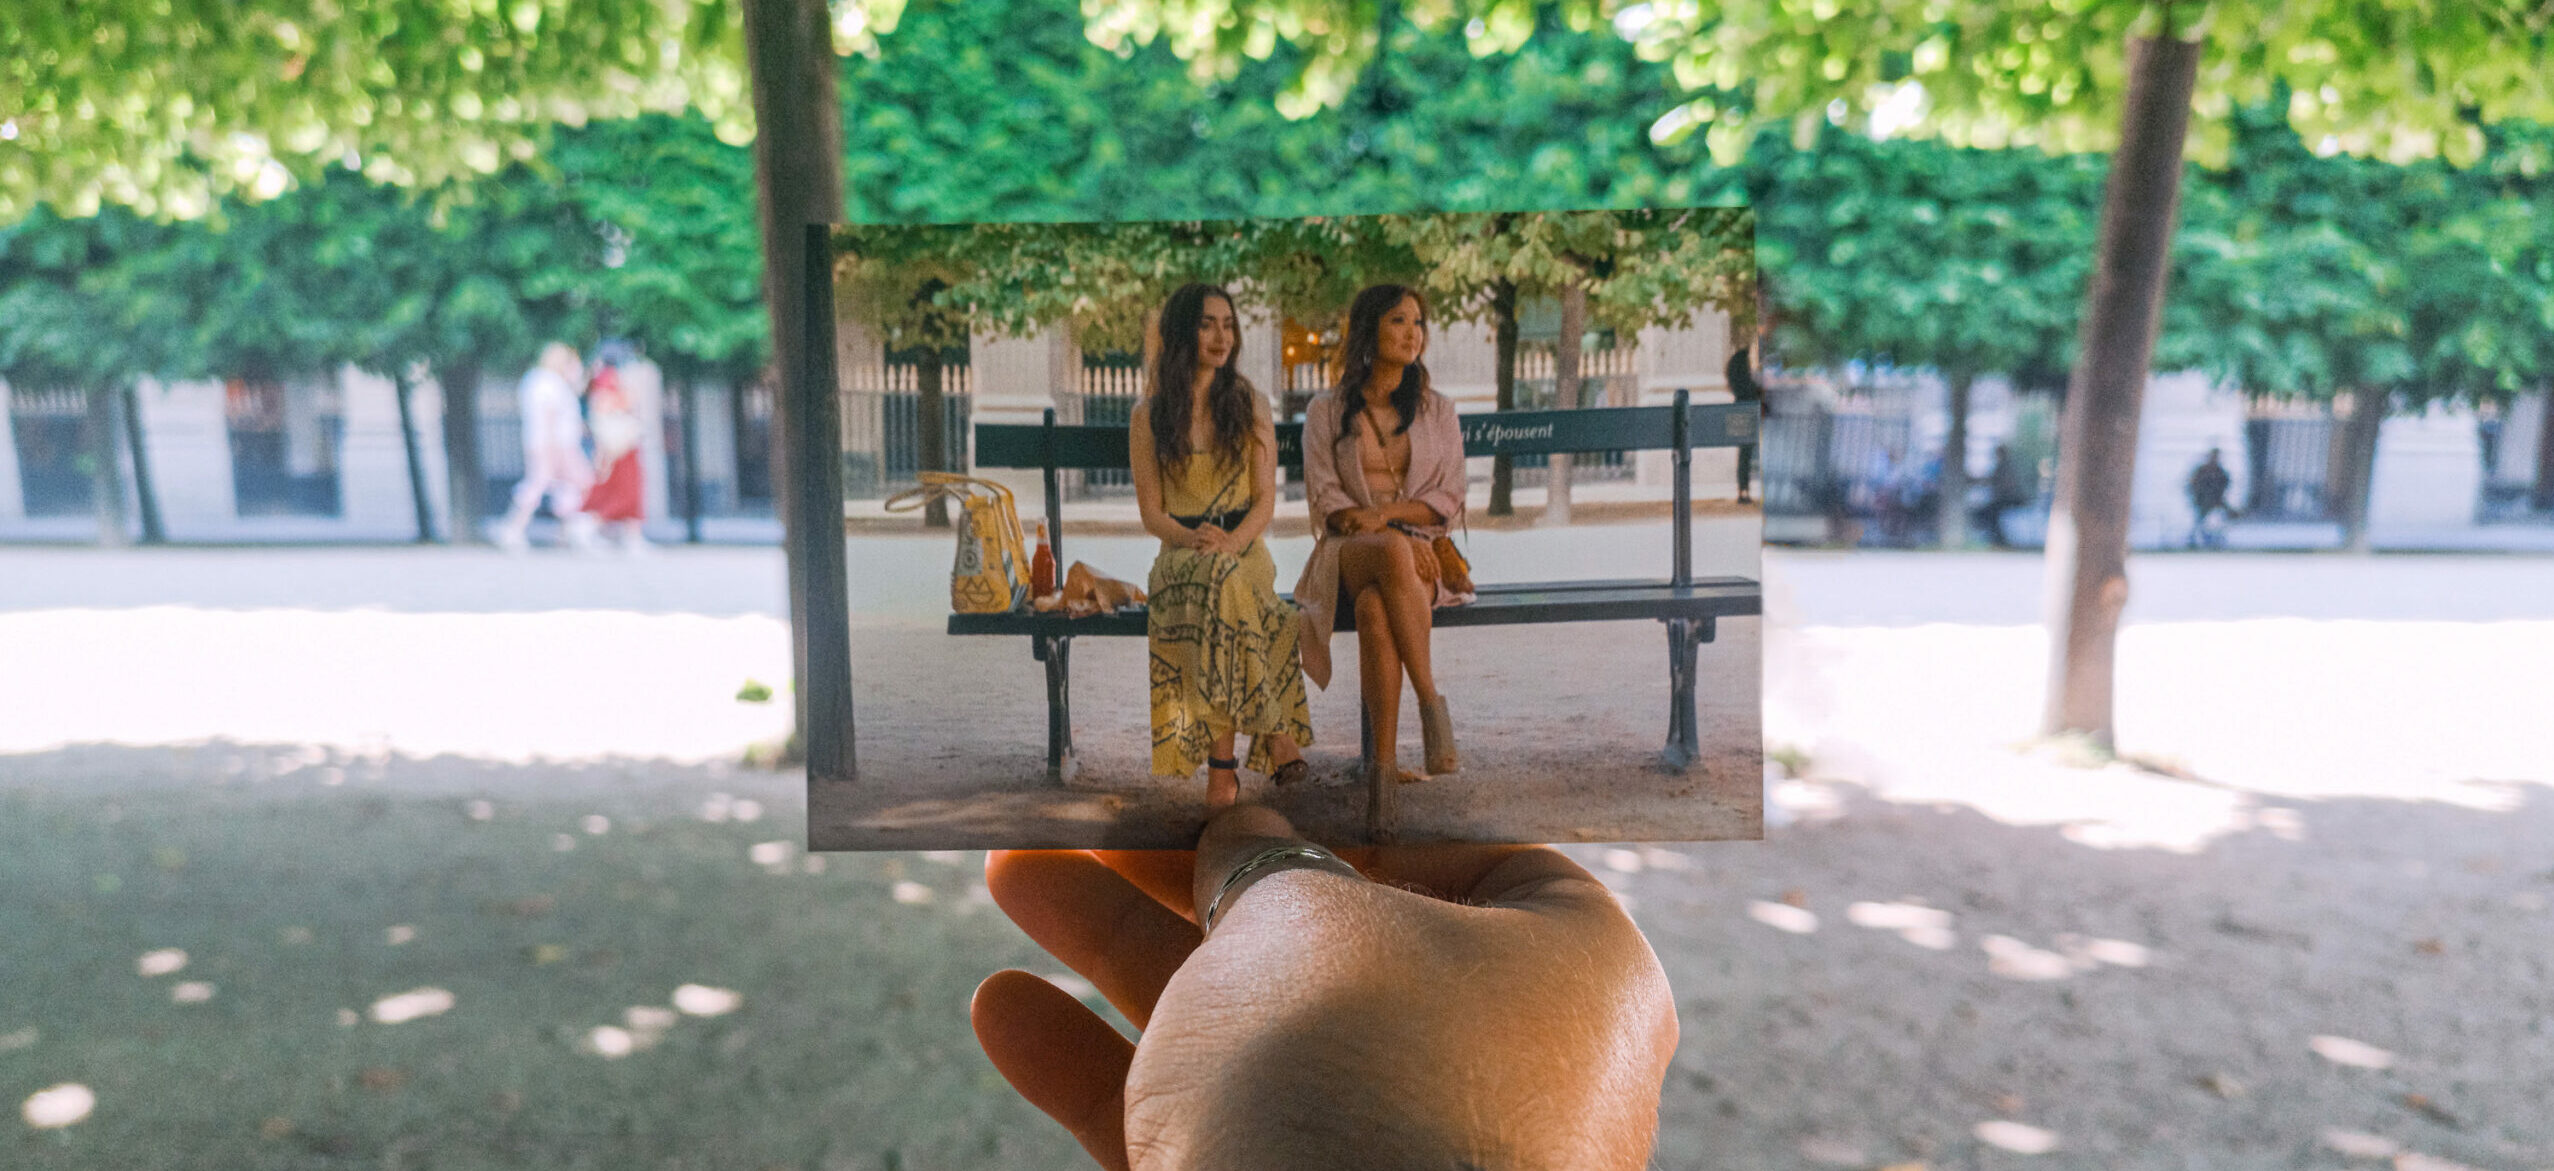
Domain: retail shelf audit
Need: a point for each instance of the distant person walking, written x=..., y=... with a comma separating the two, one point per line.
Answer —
x=1744, y=388
x=554, y=460
x=618, y=500
x=2207, y=488
x=2003, y=494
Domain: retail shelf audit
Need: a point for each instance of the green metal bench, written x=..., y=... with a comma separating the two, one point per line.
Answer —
x=1688, y=605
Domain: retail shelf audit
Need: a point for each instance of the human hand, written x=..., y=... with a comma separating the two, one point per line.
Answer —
x=1357, y=521
x=1211, y=539
x=1491, y=1004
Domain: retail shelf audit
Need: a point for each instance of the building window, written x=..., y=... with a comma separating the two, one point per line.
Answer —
x=2288, y=453
x=54, y=446
x=285, y=438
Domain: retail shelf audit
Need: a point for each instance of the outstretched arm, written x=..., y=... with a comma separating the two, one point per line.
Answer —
x=1145, y=469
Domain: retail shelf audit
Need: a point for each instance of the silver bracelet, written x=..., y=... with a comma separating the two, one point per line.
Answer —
x=1290, y=852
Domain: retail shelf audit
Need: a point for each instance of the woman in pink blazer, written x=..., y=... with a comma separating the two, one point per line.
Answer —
x=1384, y=476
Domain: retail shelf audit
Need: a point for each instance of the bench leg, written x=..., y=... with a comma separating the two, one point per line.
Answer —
x=1684, y=738
x=1383, y=815
x=1057, y=654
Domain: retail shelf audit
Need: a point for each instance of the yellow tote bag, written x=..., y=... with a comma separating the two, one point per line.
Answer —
x=992, y=572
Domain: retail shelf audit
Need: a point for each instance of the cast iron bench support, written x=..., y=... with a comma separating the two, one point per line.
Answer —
x=1689, y=608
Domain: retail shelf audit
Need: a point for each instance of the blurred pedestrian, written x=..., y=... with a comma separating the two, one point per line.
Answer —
x=1878, y=496
x=1744, y=388
x=554, y=460
x=2004, y=493
x=2207, y=489
x=618, y=501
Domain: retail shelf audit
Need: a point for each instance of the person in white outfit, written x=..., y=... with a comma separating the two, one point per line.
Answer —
x=554, y=459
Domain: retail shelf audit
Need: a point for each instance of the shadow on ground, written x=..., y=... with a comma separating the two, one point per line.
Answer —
x=2134, y=1008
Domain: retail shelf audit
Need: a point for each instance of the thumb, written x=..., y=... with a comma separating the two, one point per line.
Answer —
x=1232, y=857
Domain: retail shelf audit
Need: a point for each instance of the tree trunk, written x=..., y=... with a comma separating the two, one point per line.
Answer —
x=2358, y=466
x=1954, y=515
x=2543, y=498
x=798, y=155
x=465, y=478
x=106, y=472
x=1503, y=334
x=2097, y=457
x=931, y=430
x=404, y=386
x=1565, y=383
x=143, y=493
x=688, y=395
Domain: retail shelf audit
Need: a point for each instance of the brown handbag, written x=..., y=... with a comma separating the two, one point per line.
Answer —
x=1454, y=571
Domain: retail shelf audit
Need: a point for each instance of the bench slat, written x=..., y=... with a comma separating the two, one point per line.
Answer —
x=1016, y=445
x=1499, y=605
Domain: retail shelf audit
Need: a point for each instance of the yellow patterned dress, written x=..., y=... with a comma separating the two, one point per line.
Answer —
x=1225, y=650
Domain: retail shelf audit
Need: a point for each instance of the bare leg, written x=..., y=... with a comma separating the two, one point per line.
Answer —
x=1379, y=674
x=1410, y=607
x=1382, y=563
x=518, y=518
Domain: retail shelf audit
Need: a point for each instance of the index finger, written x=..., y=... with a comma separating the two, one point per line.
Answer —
x=1164, y=874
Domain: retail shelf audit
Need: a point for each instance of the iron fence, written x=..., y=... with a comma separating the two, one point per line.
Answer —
x=52, y=437
x=1110, y=386
x=882, y=428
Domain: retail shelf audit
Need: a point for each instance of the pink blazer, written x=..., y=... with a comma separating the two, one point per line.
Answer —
x=1436, y=479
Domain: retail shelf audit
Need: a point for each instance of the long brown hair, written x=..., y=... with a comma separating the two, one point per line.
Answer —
x=1358, y=354
x=1175, y=372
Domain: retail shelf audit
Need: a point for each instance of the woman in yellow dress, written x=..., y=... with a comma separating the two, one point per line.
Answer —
x=1226, y=654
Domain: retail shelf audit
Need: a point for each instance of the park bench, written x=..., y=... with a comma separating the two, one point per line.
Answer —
x=1689, y=606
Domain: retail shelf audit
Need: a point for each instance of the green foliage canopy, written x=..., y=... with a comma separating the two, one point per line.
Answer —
x=69, y=311
x=973, y=112
x=2396, y=79
x=1916, y=253
x=165, y=108
x=2309, y=276
x=679, y=266
x=930, y=284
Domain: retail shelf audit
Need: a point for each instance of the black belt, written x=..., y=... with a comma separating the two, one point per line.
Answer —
x=1227, y=521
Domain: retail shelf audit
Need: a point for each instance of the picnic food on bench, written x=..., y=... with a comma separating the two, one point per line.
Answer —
x=1089, y=592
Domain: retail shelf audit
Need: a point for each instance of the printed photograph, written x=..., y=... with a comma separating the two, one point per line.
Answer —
x=1418, y=528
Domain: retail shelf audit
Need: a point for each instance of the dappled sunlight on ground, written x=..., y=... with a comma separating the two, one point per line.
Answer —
x=2219, y=722
x=284, y=901
x=559, y=686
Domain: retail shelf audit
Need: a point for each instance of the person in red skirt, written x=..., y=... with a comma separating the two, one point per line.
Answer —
x=618, y=500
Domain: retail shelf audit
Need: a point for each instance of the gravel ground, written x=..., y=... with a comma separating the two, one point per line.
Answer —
x=2309, y=925
x=1559, y=727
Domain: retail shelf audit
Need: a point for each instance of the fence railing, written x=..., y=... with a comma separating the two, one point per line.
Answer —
x=882, y=427
x=1104, y=395
x=50, y=427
